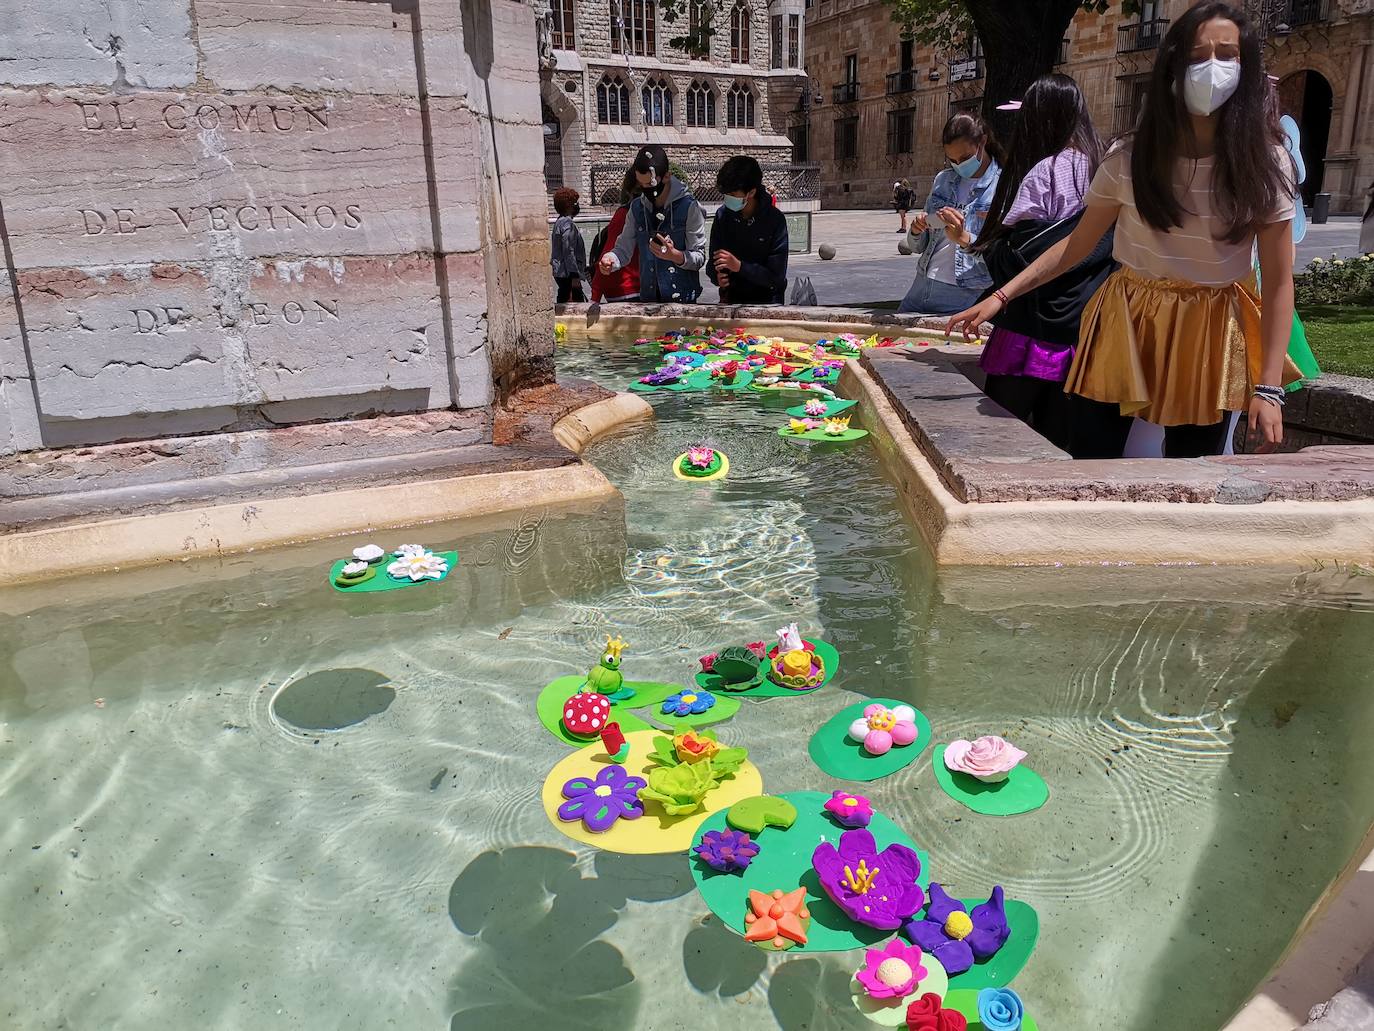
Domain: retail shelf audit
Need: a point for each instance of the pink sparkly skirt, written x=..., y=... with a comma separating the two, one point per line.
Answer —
x=1015, y=354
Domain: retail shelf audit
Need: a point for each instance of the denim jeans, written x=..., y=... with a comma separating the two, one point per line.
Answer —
x=932, y=297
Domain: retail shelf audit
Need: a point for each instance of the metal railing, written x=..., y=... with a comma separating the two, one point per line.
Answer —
x=1306, y=12
x=1063, y=56
x=846, y=93
x=904, y=81
x=1141, y=35
x=783, y=181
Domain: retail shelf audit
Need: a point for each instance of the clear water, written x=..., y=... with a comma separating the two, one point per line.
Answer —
x=235, y=799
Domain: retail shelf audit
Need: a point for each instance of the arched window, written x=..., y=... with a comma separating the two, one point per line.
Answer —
x=739, y=33
x=701, y=106
x=739, y=107
x=658, y=102
x=634, y=28
x=612, y=101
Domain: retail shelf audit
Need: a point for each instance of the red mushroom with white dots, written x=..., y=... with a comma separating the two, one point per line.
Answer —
x=585, y=713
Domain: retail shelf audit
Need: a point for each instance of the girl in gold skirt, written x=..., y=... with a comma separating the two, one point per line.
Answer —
x=1178, y=336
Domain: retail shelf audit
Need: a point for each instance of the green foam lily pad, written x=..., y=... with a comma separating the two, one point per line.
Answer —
x=965, y=1000
x=648, y=388
x=765, y=688
x=382, y=582
x=822, y=436
x=833, y=406
x=642, y=712
x=1023, y=791
x=812, y=376
x=701, y=380
x=784, y=861
x=752, y=815
x=835, y=753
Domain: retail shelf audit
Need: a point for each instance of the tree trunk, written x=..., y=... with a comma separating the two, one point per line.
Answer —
x=1021, y=41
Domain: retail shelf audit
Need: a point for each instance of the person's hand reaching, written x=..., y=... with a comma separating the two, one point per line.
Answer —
x=606, y=264
x=1266, y=425
x=969, y=320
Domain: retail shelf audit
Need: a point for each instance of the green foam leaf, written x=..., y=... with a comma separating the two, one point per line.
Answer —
x=382, y=582
x=833, y=406
x=1023, y=791
x=752, y=815
x=835, y=753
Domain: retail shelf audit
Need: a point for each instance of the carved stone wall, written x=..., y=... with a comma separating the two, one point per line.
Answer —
x=224, y=215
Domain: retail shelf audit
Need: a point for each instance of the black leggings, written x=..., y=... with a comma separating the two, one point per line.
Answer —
x=567, y=291
x=1100, y=431
x=1039, y=403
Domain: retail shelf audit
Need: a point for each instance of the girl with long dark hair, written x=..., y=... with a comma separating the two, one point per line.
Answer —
x=1177, y=335
x=950, y=276
x=1054, y=153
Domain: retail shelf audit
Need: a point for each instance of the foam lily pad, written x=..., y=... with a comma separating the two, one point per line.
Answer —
x=838, y=755
x=1023, y=791
x=649, y=388
x=720, y=466
x=965, y=1000
x=752, y=815
x=784, y=861
x=382, y=582
x=701, y=380
x=833, y=406
x=821, y=436
x=642, y=712
x=766, y=688
x=816, y=376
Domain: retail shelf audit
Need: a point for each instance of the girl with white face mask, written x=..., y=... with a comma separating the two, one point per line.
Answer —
x=1178, y=336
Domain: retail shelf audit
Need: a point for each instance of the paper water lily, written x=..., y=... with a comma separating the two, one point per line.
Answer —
x=928, y=1014
x=688, y=703
x=368, y=553
x=989, y=758
x=879, y=728
x=837, y=425
x=956, y=937
x=1000, y=1009
x=416, y=567
x=727, y=851
x=816, y=407
x=409, y=550
x=874, y=888
x=892, y=972
x=850, y=810
x=601, y=800
x=701, y=457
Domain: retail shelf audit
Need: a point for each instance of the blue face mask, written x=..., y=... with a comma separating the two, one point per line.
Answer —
x=733, y=203
x=968, y=168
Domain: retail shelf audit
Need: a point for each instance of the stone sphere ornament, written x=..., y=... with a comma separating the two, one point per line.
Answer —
x=826, y=251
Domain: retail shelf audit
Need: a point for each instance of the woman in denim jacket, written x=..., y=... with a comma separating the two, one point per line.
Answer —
x=949, y=278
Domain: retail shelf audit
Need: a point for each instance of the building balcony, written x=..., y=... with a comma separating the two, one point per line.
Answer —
x=904, y=81
x=1062, y=58
x=1298, y=13
x=1140, y=36
x=966, y=69
x=846, y=92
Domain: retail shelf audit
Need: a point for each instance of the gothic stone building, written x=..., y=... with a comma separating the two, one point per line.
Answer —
x=877, y=104
x=621, y=73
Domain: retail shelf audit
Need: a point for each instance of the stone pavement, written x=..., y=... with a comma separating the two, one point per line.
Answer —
x=868, y=271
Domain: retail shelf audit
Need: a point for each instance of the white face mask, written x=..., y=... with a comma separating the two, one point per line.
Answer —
x=1209, y=84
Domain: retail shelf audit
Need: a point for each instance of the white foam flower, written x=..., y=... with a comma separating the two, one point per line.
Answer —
x=409, y=550
x=368, y=553
x=416, y=567
x=354, y=568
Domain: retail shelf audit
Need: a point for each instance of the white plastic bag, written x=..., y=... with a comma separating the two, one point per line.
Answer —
x=803, y=293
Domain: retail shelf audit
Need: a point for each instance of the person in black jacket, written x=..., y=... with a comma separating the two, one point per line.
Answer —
x=748, y=250
x=567, y=252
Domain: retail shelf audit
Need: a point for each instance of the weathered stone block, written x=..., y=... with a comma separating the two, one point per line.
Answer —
x=91, y=179
x=308, y=44
x=135, y=43
x=157, y=338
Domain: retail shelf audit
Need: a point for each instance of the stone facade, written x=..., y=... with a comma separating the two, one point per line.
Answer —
x=221, y=216
x=1325, y=63
x=578, y=140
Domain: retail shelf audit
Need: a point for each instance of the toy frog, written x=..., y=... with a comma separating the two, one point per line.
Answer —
x=605, y=677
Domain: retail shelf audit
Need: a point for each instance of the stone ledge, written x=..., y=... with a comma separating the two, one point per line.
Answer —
x=728, y=315
x=984, y=454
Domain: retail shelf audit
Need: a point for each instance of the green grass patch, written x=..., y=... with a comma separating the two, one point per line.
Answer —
x=1342, y=336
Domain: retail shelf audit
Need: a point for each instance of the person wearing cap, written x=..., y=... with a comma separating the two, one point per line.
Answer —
x=902, y=198
x=668, y=227
x=748, y=238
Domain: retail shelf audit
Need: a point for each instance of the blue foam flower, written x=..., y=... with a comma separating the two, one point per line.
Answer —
x=688, y=702
x=1000, y=1009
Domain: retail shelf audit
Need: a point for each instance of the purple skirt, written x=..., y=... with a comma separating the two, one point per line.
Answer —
x=1015, y=354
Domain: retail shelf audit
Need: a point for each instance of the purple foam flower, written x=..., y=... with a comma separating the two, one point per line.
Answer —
x=850, y=810
x=726, y=850
x=662, y=377
x=957, y=937
x=874, y=888
x=599, y=801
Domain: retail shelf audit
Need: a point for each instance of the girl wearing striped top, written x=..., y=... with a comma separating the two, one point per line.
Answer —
x=1177, y=335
